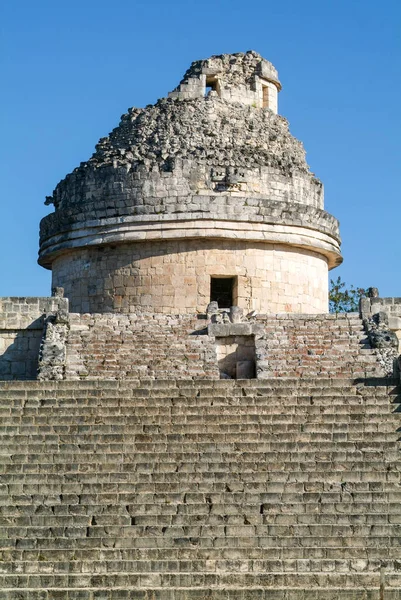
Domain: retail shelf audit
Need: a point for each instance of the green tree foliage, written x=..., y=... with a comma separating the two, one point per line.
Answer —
x=343, y=299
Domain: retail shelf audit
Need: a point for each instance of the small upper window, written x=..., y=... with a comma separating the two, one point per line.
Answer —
x=222, y=291
x=212, y=84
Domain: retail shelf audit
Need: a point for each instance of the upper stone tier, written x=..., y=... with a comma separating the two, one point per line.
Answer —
x=246, y=78
x=218, y=160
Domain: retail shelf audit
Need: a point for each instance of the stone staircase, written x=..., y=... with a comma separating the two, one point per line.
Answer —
x=121, y=346
x=328, y=345
x=180, y=490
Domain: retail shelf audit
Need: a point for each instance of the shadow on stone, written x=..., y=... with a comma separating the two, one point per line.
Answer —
x=19, y=359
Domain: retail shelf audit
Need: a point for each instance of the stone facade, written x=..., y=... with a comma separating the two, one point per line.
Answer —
x=22, y=321
x=390, y=307
x=190, y=246
x=156, y=346
x=382, y=321
x=179, y=182
x=139, y=346
x=165, y=277
x=245, y=78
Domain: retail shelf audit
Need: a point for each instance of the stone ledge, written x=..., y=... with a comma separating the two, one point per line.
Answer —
x=245, y=208
x=227, y=329
x=115, y=232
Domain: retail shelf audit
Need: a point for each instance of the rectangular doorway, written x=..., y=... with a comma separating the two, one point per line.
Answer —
x=222, y=291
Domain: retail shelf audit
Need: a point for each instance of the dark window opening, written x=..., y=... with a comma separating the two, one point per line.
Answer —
x=222, y=291
x=212, y=84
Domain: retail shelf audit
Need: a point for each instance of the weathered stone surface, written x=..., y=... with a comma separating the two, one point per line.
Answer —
x=382, y=320
x=22, y=322
x=219, y=175
x=243, y=77
x=172, y=346
x=211, y=489
x=52, y=354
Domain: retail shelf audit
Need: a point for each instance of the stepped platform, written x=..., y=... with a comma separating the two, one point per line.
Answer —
x=287, y=488
x=123, y=346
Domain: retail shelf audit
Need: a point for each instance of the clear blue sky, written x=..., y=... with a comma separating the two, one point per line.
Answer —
x=70, y=69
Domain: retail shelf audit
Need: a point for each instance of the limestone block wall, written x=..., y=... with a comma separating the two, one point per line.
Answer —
x=175, y=149
x=175, y=276
x=142, y=345
x=186, y=187
x=331, y=345
x=244, y=78
x=390, y=306
x=392, y=309
x=146, y=345
x=21, y=330
x=189, y=169
x=263, y=95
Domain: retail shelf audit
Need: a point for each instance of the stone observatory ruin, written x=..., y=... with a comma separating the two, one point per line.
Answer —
x=204, y=196
x=183, y=419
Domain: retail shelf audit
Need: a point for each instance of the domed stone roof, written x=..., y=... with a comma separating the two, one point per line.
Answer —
x=189, y=154
x=213, y=160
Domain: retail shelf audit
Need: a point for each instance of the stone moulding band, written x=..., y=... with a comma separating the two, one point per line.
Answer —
x=116, y=232
x=240, y=209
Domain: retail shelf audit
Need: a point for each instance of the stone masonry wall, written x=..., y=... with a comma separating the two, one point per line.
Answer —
x=110, y=346
x=183, y=143
x=243, y=77
x=208, y=194
x=174, y=277
x=331, y=345
x=382, y=321
x=189, y=169
x=21, y=329
x=390, y=306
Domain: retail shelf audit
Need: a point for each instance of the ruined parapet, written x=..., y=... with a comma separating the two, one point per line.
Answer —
x=22, y=324
x=188, y=201
x=53, y=348
x=244, y=78
x=382, y=321
x=374, y=304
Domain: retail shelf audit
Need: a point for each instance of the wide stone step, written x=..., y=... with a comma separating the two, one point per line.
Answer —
x=170, y=580
x=183, y=414
x=86, y=387
x=158, y=469
x=157, y=442
x=87, y=493
x=321, y=416
x=134, y=495
x=125, y=488
x=49, y=564
x=274, y=384
x=188, y=396
x=362, y=544
x=157, y=431
x=205, y=531
x=199, y=593
x=200, y=409
x=211, y=463
x=198, y=398
x=342, y=512
x=218, y=516
x=195, y=552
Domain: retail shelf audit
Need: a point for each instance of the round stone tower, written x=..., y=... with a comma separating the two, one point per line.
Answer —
x=204, y=196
